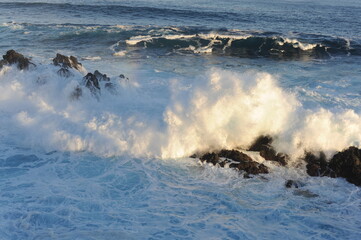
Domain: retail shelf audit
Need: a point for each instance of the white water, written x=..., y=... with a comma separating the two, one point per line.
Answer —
x=221, y=109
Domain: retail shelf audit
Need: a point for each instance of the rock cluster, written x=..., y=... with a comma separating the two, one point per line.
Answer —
x=12, y=57
x=263, y=146
x=234, y=159
x=346, y=164
x=67, y=62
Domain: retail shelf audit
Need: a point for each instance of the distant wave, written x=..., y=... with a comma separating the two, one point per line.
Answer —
x=246, y=44
x=194, y=40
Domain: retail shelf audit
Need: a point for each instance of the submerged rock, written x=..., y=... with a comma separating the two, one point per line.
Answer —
x=64, y=72
x=235, y=159
x=13, y=57
x=77, y=93
x=263, y=146
x=347, y=164
x=293, y=184
x=305, y=193
x=67, y=62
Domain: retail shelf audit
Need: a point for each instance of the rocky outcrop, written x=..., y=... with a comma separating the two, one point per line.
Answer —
x=67, y=62
x=101, y=77
x=234, y=159
x=263, y=146
x=347, y=164
x=12, y=57
x=317, y=166
x=92, y=82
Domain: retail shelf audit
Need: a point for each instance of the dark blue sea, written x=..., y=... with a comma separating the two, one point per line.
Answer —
x=186, y=77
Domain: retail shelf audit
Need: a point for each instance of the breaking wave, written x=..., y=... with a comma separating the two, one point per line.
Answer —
x=247, y=45
x=221, y=109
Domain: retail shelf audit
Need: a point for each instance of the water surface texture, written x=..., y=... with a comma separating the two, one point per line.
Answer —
x=187, y=76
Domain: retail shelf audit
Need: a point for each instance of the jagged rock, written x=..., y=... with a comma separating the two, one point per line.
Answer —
x=317, y=165
x=347, y=164
x=91, y=82
x=235, y=155
x=263, y=146
x=210, y=158
x=237, y=160
x=13, y=57
x=64, y=72
x=100, y=76
x=77, y=93
x=67, y=62
x=293, y=184
x=250, y=167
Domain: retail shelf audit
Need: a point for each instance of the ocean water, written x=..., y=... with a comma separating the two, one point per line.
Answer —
x=188, y=76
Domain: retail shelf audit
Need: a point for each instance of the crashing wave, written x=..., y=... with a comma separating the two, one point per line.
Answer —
x=221, y=111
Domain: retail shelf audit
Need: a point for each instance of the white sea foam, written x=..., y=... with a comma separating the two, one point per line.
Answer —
x=221, y=109
x=92, y=58
x=298, y=44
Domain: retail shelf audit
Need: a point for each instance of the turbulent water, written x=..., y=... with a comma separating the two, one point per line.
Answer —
x=187, y=77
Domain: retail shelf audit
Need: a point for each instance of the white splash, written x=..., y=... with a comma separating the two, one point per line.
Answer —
x=221, y=109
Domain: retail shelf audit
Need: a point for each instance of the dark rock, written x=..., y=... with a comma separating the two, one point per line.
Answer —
x=293, y=184
x=210, y=158
x=64, y=72
x=67, y=62
x=100, y=76
x=3, y=63
x=347, y=164
x=238, y=160
x=263, y=146
x=77, y=93
x=121, y=76
x=260, y=142
x=250, y=167
x=317, y=165
x=235, y=155
x=91, y=82
x=13, y=57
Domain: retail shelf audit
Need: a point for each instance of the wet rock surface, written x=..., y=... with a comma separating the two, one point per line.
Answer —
x=100, y=76
x=12, y=57
x=346, y=164
x=67, y=62
x=317, y=165
x=265, y=149
x=234, y=159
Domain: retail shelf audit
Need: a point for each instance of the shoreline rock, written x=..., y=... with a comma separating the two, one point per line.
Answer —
x=345, y=164
x=265, y=149
x=235, y=159
x=66, y=62
x=12, y=57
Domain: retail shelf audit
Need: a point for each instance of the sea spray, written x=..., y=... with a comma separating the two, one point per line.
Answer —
x=221, y=109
